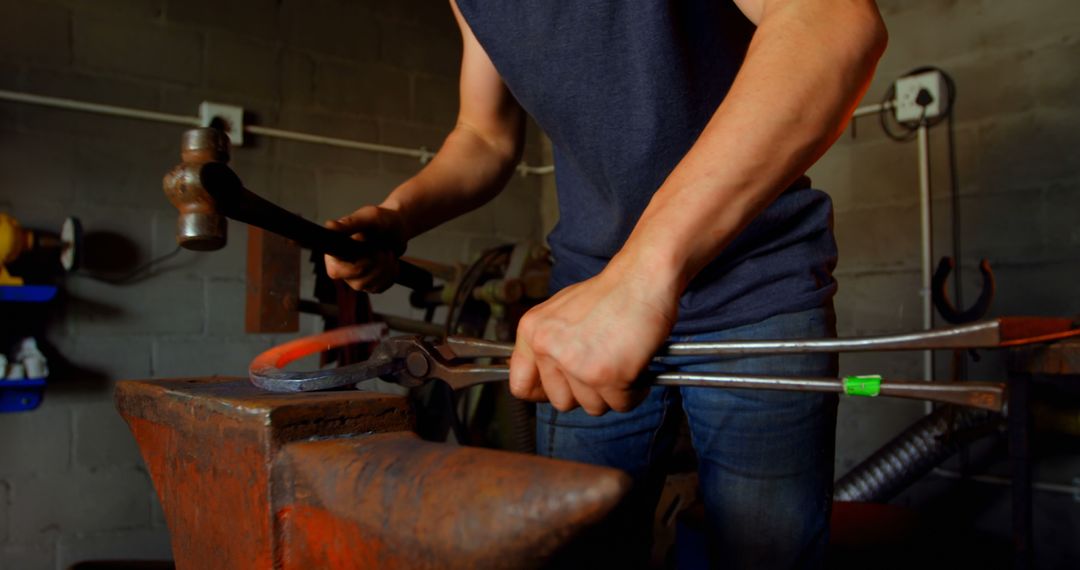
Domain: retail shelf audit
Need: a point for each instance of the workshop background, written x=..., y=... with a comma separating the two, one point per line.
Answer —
x=72, y=484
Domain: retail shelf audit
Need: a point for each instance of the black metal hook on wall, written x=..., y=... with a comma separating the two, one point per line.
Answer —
x=944, y=304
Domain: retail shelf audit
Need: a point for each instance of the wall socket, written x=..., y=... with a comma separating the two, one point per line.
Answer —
x=908, y=109
x=231, y=118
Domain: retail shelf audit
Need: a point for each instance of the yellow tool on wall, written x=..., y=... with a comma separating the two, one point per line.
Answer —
x=14, y=240
x=53, y=253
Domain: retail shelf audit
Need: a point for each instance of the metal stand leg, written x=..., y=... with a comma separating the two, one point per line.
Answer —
x=1020, y=462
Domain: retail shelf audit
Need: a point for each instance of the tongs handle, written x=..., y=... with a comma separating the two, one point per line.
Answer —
x=466, y=347
x=984, y=395
x=994, y=333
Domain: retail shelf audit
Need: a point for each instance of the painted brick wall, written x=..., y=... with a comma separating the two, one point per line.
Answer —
x=72, y=485
x=384, y=71
x=1016, y=129
x=1016, y=119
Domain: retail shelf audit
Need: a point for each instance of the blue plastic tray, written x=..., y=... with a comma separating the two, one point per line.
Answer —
x=27, y=293
x=21, y=395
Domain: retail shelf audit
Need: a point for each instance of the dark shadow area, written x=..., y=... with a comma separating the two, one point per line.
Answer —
x=36, y=319
x=943, y=521
x=890, y=537
x=23, y=320
x=936, y=523
x=114, y=259
x=88, y=309
x=107, y=253
x=71, y=377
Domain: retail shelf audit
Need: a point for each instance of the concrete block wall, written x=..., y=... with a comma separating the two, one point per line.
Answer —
x=384, y=71
x=1016, y=132
x=72, y=485
x=1018, y=181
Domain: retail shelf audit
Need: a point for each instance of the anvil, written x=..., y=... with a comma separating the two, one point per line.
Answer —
x=252, y=479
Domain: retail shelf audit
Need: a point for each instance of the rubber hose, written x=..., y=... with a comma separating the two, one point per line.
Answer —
x=908, y=457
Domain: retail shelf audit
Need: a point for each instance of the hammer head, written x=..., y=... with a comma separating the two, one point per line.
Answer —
x=200, y=225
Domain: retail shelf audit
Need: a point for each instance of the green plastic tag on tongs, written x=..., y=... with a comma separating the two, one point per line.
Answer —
x=868, y=385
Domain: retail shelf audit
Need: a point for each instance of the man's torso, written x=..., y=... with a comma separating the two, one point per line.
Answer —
x=623, y=88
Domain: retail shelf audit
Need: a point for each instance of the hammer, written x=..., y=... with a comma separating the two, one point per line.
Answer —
x=206, y=191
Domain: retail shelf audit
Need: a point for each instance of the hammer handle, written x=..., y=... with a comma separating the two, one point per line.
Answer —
x=243, y=205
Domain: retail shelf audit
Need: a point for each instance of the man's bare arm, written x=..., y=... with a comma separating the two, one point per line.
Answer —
x=807, y=65
x=478, y=156
x=471, y=167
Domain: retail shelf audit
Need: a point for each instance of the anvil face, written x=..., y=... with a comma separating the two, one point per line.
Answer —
x=250, y=479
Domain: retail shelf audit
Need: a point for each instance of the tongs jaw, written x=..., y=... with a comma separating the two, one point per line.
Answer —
x=267, y=370
x=423, y=361
x=409, y=361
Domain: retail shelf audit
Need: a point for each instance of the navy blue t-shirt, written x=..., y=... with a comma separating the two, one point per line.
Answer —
x=623, y=88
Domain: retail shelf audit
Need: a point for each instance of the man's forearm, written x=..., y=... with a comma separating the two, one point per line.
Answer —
x=806, y=68
x=466, y=172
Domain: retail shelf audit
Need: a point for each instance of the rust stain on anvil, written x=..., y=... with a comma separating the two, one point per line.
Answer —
x=395, y=501
x=289, y=416
x=211, y=484
x=250, y=479
x=209, y=444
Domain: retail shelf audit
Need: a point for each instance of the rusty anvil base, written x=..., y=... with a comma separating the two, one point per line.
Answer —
x=250, y=479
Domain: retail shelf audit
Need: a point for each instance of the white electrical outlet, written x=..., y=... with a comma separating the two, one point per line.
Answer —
x=908, y=109
x=231, y=118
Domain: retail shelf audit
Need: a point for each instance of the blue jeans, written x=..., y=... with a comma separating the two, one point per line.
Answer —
x=765, y=458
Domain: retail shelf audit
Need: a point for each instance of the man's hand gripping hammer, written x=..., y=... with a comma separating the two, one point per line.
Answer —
x=206, y=191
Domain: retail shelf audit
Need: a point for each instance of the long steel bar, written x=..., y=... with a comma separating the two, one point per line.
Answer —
x=994, y=333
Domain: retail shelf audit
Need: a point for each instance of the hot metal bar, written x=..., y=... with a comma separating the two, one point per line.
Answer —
x=267, y=370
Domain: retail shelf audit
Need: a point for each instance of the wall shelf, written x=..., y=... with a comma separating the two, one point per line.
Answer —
x=21, y=395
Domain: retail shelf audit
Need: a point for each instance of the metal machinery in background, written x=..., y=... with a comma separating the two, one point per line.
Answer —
x=486, y=299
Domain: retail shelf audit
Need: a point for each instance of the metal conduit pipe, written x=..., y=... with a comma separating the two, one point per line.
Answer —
x=909, y=456
x=423, y=154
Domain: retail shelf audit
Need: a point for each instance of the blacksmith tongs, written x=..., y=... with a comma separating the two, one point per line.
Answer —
x=411, y=361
